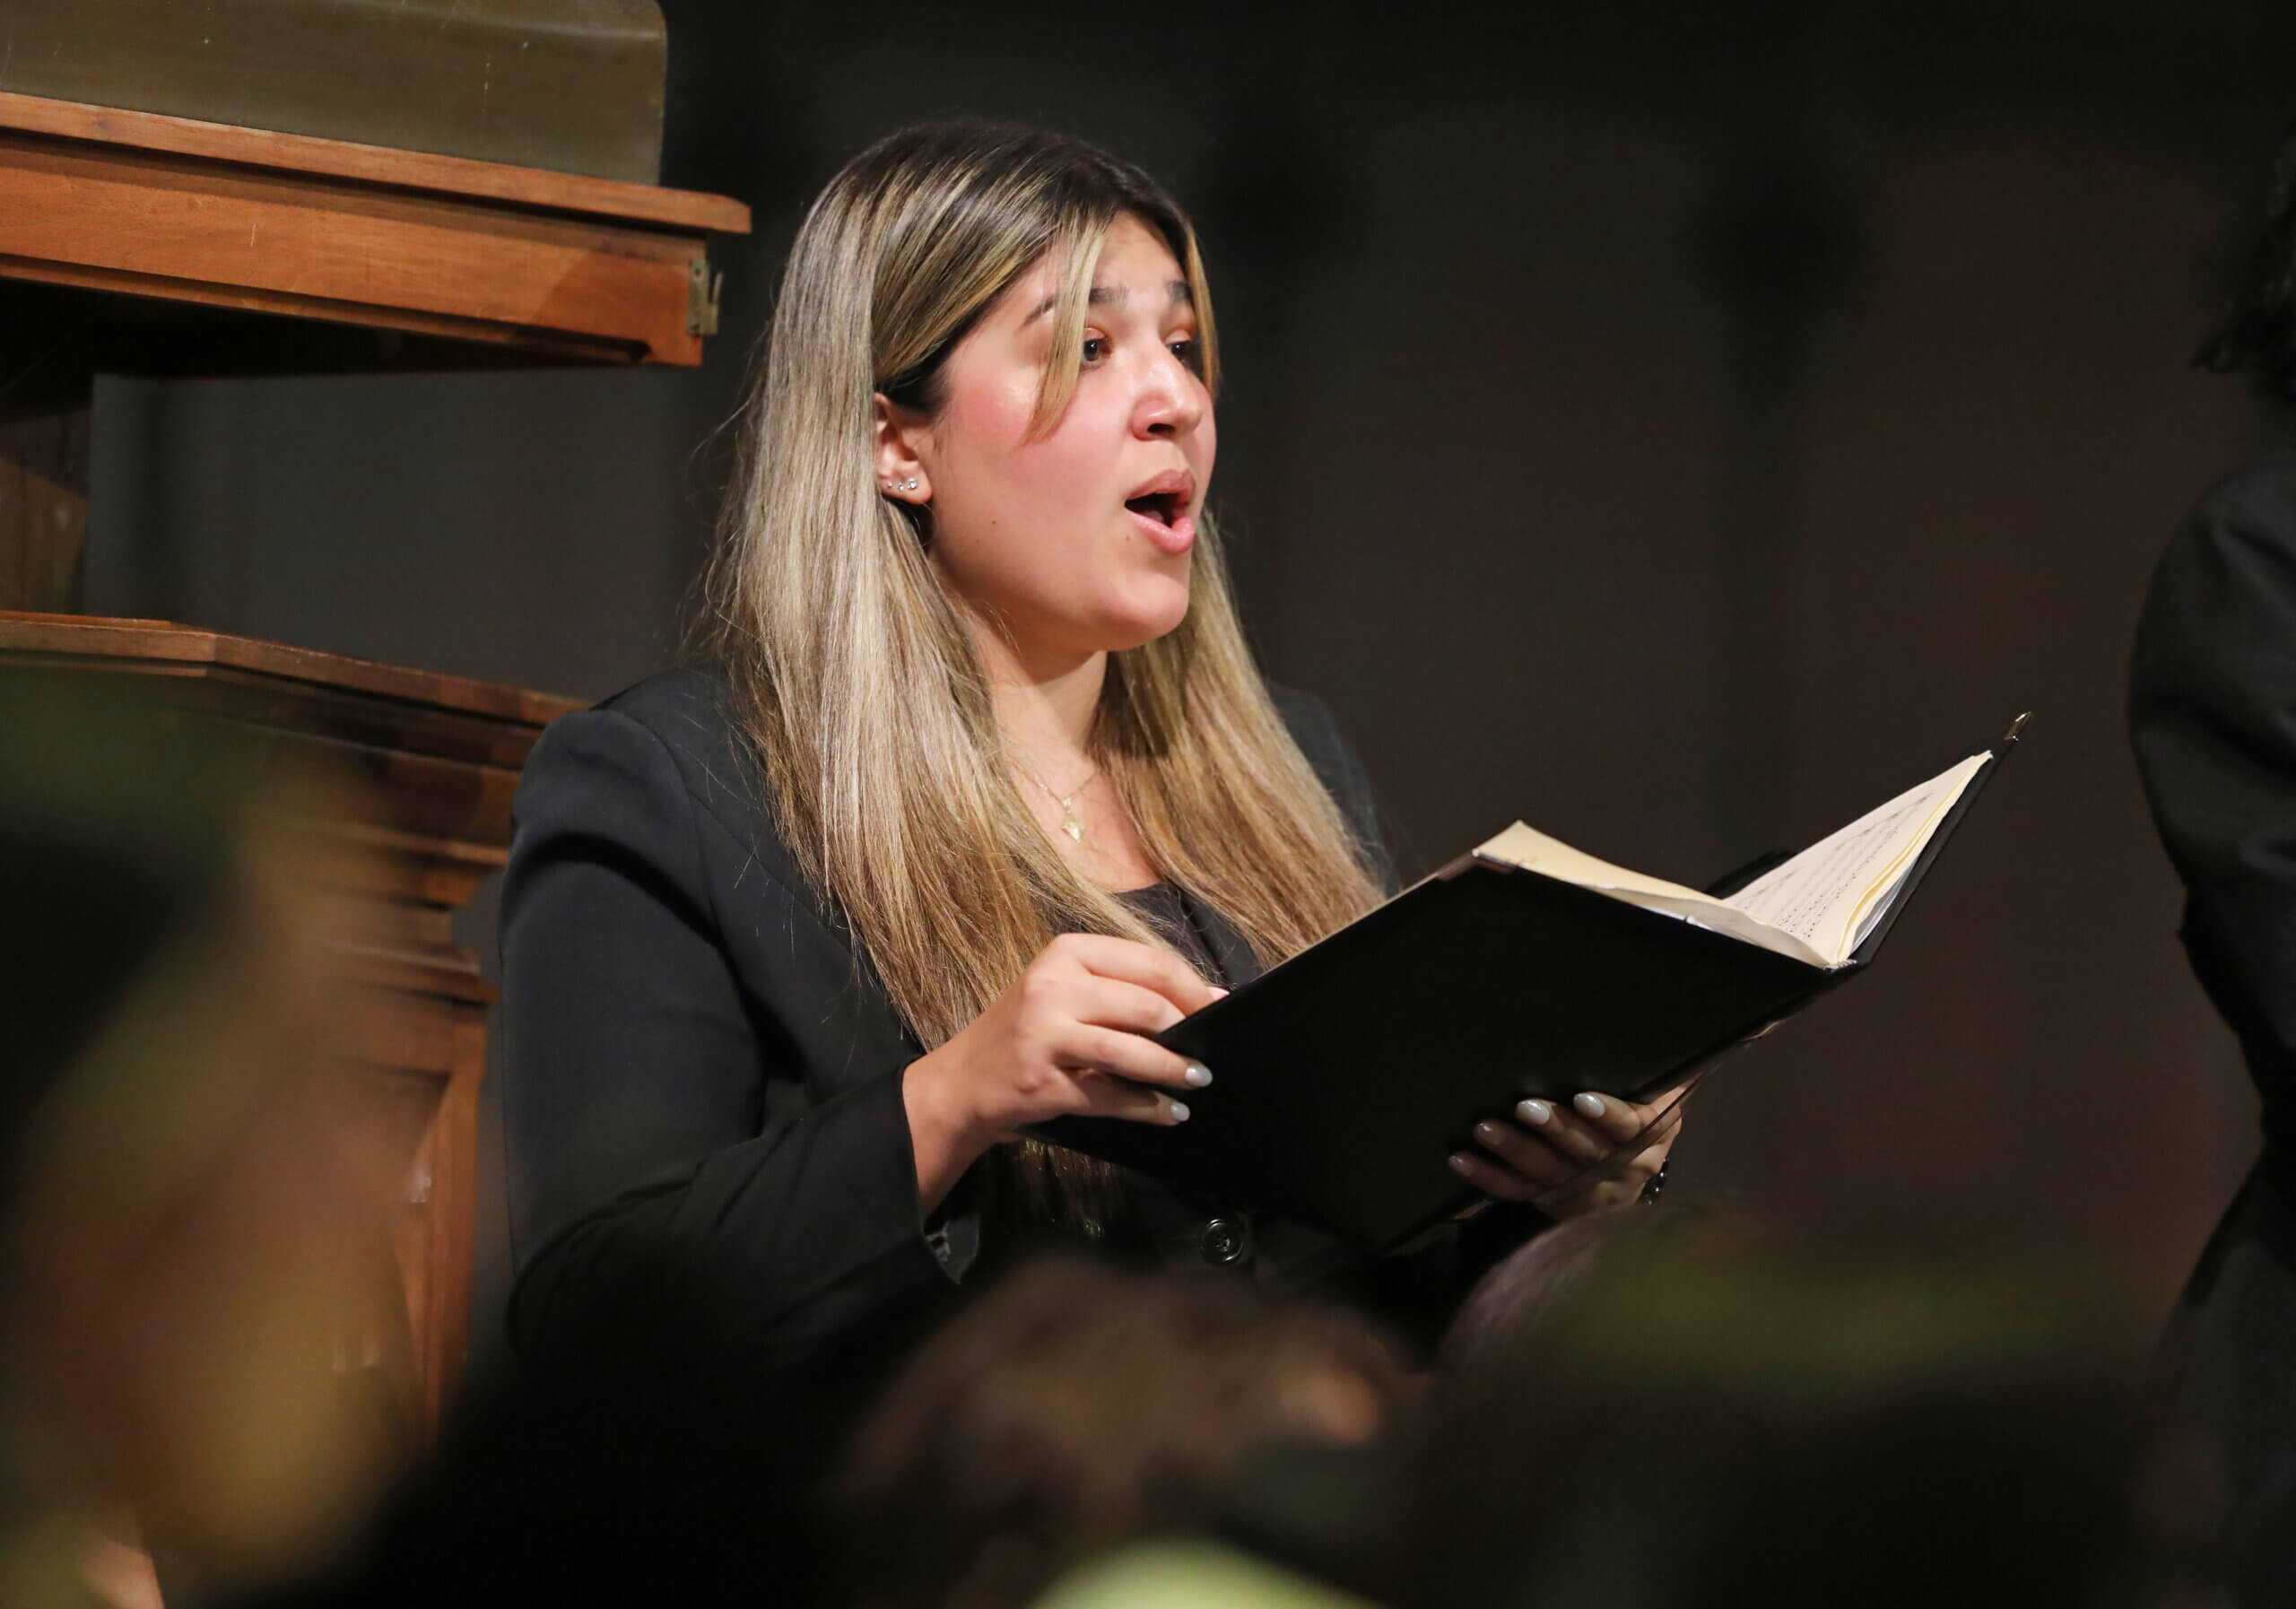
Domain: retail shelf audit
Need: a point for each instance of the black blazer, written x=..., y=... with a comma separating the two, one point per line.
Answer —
x=2212, y=719
x=711, y=1183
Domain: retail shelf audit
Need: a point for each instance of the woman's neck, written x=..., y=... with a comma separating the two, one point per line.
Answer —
x=1045, y=705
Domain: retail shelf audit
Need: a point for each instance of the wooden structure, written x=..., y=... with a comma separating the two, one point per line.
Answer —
x=431, y=760
x=574, y=85
x=539, y=262
x=141, y=243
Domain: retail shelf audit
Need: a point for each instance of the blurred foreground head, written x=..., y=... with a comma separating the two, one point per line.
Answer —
x=1649, y=1408
x=2257, y=337
x=1078, y=1407
x=189, y=1217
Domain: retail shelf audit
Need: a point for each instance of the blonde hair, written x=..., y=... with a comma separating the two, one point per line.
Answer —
x=855, y=675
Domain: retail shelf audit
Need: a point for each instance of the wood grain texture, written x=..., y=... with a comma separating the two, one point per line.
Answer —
x=154, y=224
x=686, y=210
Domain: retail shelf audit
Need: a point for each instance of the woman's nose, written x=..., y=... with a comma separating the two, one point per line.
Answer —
x=1170, y=401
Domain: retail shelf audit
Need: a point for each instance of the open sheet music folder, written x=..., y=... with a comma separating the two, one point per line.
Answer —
x=1343, y=1078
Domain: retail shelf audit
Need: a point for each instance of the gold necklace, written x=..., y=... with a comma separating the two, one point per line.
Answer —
x=1069, y=823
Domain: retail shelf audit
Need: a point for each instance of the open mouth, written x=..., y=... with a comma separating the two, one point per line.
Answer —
x=1165, y=508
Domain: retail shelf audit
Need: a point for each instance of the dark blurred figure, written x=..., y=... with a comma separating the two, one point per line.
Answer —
x=1647, y=1409
x=1077, y=1408
x=193, y=1212
x=1508, y=1310
x=2212, y=715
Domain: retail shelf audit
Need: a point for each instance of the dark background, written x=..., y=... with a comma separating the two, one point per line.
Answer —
x=1677, y=425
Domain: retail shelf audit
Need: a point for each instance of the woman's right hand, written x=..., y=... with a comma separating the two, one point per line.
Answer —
x=1067, y=1038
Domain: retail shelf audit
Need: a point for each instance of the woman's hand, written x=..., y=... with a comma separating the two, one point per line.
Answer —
x=1068, y=1038
x=1597, y=1152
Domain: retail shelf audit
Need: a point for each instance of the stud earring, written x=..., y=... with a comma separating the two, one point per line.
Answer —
x=909, y=484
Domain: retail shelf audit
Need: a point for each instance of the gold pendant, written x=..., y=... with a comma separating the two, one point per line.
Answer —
x=1073, y=827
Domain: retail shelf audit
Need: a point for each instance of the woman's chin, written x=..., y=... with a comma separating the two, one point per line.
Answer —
x=1157, y=612
x=1107, y=622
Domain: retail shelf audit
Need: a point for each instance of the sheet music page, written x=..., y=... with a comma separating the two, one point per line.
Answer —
x=1534, y=851
x=1829, y=895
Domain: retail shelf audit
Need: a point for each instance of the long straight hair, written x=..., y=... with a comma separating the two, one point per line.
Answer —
x=856, y=677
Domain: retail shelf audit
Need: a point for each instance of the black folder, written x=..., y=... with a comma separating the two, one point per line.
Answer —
x=1343, y=1078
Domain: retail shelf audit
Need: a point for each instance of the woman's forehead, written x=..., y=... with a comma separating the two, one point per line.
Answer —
x=1134, y=265
x=1133, y=249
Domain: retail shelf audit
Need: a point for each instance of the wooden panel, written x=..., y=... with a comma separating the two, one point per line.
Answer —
x=452, y=1199
x=148, y=224
x=43, y=508
x=685, y=211
x=401, y=1117
x=388, y=863
x=575, y=87
x=415, y=1239
x=436, y=1106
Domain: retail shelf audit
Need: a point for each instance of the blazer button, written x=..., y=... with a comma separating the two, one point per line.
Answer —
x=1226, y=1242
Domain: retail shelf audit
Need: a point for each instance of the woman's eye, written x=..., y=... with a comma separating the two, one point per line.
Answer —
x=1184, y=348
x=1096, y=347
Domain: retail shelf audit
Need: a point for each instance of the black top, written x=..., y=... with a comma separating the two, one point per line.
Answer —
x=711, y=1184
x=2212, y=714
x=1180, y=921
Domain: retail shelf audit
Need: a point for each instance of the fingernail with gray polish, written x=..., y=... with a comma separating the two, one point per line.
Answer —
x=1535, y=1112
x=1589, y=1105
x=1459, y=1163
x=1198, y=1075
x=1176, y=1111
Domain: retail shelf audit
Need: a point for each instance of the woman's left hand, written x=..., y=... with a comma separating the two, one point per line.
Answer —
x=1597, y=1152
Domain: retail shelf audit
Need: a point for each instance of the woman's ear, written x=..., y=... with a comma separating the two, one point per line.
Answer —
x=901, y=473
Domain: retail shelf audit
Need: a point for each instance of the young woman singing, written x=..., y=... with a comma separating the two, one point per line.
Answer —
x=978, y=788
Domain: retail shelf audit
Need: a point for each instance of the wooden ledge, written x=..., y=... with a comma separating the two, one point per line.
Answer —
x=157, y=645
x=686, y=210
x=527, y=262
x=426, y=756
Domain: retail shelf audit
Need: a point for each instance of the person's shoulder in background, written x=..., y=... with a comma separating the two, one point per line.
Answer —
x=2263, y=490
x=2223, y=590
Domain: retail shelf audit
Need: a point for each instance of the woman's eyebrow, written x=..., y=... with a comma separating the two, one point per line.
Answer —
x=1183, y=294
